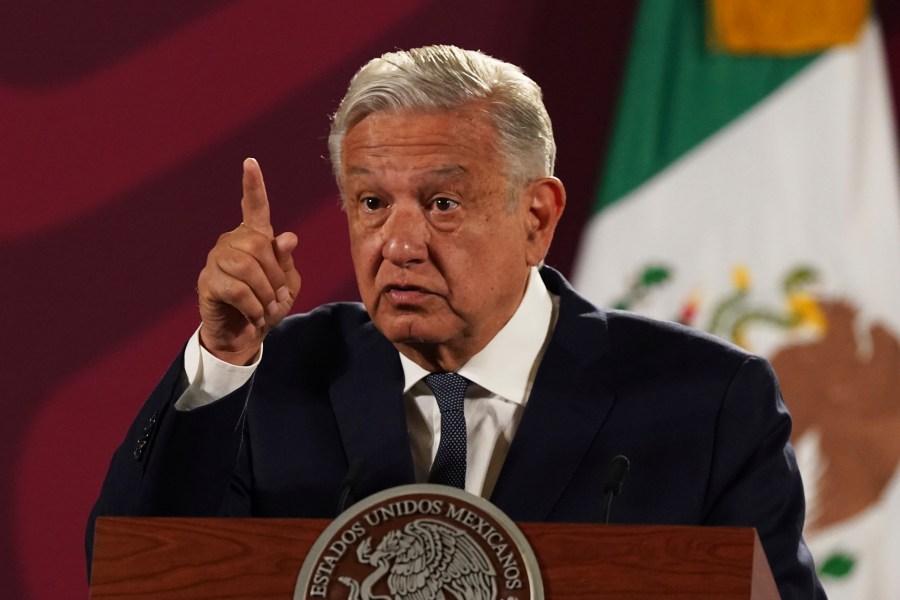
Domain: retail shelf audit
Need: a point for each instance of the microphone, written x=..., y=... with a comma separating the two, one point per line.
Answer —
x=350, y=480
x=615, y=475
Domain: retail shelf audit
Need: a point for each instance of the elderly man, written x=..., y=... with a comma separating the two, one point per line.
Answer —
x=444, y=160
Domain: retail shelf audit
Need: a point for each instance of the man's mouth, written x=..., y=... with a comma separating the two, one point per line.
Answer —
x=405, y=294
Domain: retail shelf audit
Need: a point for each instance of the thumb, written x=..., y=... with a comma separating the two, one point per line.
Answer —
x=284, y=246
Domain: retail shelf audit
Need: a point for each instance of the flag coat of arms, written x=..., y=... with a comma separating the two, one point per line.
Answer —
x=751, y=190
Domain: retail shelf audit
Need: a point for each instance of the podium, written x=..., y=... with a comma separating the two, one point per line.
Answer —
x=161, y=557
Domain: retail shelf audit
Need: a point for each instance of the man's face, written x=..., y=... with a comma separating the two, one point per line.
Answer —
x=441, y=262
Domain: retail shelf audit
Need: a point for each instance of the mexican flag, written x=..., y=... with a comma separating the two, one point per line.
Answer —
x=752, y=190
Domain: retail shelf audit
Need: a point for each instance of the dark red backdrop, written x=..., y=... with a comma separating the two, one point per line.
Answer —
x=122, y=130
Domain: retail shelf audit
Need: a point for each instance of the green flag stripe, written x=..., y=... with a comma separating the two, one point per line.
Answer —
x=677, y=93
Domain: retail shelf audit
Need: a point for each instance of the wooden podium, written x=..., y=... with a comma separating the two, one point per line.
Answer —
x=261, y=558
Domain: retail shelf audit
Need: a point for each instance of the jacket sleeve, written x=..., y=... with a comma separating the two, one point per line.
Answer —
x=755, y=481
x=173, y=462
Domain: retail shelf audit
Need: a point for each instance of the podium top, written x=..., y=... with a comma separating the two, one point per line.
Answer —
x=165, y=557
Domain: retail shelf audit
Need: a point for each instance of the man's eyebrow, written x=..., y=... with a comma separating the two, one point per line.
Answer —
x=353, y=170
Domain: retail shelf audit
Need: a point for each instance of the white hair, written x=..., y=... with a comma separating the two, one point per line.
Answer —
x=434, y=78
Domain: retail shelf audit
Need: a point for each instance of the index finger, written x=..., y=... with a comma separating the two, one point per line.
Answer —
x=255, y=203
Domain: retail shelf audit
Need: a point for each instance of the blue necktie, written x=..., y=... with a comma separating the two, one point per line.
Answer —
x=449, y=466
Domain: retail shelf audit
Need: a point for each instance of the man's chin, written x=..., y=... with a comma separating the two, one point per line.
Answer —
x=412, y=330
x=414, y=338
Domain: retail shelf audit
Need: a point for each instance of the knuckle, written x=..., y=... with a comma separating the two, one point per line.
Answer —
x=258, y=243
x=226, y=238
x=239, y=294
x=237, y=265
x=243, y=299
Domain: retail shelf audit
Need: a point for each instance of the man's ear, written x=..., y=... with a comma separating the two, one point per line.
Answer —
x=545, y=200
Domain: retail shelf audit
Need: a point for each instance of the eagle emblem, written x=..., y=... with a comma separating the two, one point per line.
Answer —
x=424, y=560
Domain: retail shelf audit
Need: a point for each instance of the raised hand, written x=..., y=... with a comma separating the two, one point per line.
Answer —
x=249, y=282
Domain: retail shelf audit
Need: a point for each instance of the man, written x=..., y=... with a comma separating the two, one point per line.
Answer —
x=444, y=160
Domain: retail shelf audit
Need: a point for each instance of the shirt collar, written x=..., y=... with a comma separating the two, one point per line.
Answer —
x=516, y=346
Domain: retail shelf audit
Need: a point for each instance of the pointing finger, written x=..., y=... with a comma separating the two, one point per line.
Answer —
x=255, y=203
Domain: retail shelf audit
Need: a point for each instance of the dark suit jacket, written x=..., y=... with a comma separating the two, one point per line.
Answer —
x=702, y=422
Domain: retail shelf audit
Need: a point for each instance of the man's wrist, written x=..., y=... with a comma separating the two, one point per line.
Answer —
x=209, y=377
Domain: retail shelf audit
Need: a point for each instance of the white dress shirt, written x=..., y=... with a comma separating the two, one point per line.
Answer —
x=494, y=402
x=495, y=398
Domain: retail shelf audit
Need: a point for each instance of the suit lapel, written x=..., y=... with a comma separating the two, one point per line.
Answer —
x=565, y=412
x=368, y=405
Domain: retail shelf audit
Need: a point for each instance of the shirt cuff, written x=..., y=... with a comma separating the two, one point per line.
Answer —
x=208, y=377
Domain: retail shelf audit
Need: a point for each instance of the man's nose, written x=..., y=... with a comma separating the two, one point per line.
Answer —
x=405, y=236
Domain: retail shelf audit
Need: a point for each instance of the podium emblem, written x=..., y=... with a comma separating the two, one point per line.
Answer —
x=421, y=542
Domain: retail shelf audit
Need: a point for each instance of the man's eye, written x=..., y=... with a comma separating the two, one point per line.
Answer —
x=444, y=204
x=372, y=203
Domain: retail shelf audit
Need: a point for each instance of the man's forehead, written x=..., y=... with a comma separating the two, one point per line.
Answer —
x=467, y=126
x=451, y=174
x=444, y=145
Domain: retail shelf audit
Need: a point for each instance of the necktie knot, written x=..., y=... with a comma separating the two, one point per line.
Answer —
x=449, y=466
x=449, y=390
